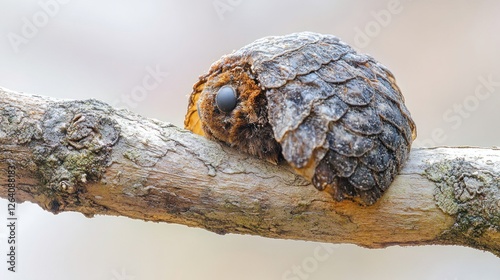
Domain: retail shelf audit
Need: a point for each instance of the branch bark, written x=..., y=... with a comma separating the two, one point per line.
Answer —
x=87, y=157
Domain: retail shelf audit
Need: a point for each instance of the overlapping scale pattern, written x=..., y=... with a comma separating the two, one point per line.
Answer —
x=325, y=100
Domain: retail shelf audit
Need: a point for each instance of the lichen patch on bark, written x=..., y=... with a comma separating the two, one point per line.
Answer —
x=17, y=125
x=470, y=194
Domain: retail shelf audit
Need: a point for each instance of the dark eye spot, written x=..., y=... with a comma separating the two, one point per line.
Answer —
x=226, y=99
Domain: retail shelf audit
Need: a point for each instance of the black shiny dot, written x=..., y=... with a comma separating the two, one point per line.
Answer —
x=226, y=99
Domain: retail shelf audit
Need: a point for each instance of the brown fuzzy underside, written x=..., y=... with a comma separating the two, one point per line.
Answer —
x=245, y=128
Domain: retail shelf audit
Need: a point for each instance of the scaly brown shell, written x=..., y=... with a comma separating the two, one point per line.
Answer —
x=336, y=116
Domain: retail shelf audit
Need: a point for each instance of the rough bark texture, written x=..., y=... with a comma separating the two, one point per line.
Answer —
x=87, y=157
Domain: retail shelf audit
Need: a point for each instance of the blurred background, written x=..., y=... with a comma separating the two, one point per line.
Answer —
x=444, y=54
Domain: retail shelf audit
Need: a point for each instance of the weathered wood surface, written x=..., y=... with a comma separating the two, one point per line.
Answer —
x=87, y=157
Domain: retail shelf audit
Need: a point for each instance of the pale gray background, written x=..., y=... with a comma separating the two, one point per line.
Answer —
x=102, y=49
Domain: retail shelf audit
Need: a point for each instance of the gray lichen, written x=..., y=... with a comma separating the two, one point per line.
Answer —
x=470, y=194
x=17, y=125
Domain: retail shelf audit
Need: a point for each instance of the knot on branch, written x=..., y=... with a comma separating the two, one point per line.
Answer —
x=75, y=148
x=86, y=131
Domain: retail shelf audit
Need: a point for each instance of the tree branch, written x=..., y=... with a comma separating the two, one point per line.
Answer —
x=87, y=157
